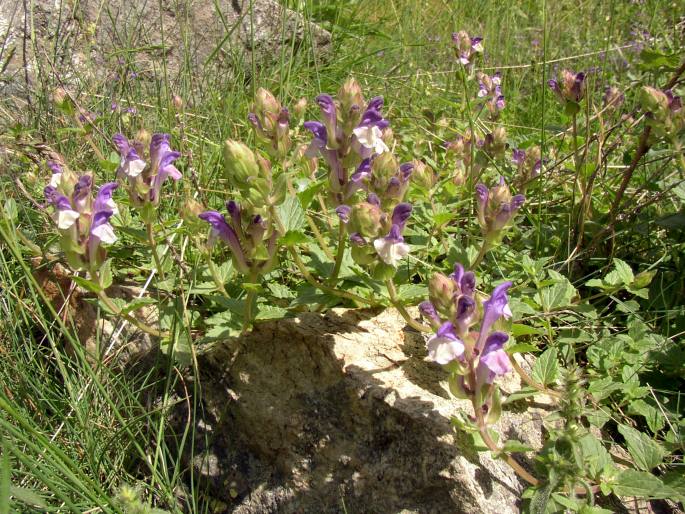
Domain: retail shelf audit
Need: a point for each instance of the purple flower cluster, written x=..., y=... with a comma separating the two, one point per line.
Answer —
x=467, y=47
x=452, y=311
x=490, y=91
x=82, y=221
x=348, y=134
x=249, y=237
x=144, y=172
x=270, y=121
x=528, y=164
x=570, y=87
x=496, y=208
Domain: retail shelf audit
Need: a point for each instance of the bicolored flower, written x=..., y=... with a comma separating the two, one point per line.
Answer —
x=496, y=207
x=57, y=171
x=392, y=247
x=224, y=231
x=250, y=238
x=130, y=165
x=570, y=87
x=494, y=361
x=494, y=308
x=84, y=223
x=445, y=346
x=427, y=310
x=145, y=179
x=467, y=47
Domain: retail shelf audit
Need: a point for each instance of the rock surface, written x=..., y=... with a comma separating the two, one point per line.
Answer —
x=341, y=413
x=97, y=39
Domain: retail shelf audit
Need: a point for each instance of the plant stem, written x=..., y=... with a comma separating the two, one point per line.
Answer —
x=215, y=275
x=481, y=254
x=342, y=240
x=309, y=277
x=392, y=291
x=492, y=445
x=249, y=300
x=117, y=311
x=153, y=248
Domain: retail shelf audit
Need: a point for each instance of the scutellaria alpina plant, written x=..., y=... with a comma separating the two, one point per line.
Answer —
x=82, y=221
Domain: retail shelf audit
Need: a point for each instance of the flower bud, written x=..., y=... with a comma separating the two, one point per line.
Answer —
x=240, y=163
x=266, y=102
x=365, y=219
x=653, y=100
x=300, y=107
x=423, y=174
x=350, y=97
x=177, y=102
x=384, y=167
x=441, y=291
x=143, y=137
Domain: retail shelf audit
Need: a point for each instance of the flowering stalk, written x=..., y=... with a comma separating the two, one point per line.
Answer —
x=83, y=223
x=496, y=208
x=474, y=358
x=145, y=164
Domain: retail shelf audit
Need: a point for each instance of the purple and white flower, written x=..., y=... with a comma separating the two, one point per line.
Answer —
x=494, y=361
x=445, y=346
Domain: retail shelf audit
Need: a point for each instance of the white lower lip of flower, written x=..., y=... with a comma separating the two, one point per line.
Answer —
x=134, y=168
x=443, y=350
x=105, y=233
x=66, y=218
x=371, y=137
x=390, y=252
x=506, y=311
x=111, y=204
x=55, y=179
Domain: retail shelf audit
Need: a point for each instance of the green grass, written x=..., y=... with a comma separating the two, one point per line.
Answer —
x=73, y=433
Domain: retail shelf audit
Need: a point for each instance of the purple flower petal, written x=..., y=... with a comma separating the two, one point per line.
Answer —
x=343, y=212
x=400, y=215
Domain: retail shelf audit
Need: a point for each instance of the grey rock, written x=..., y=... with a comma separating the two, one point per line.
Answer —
x=341, y=413
x=87, y=39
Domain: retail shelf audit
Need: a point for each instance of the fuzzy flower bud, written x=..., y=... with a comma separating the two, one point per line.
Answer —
x=240, y=164
x=365, y=219
x=423, y=175
x=441, y=292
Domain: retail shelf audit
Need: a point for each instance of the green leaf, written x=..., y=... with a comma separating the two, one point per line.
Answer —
x=519, y=329
x=291, y=214
x=655, y=420
x=306, y=196
x=639, y=483
x=87, y=284
x=546, y=368
x=28, y=496
x=655, y=60
x=646, y=452
x=556, y=296
x=11, y=209
x=513, y=446
x=294, y=237
x=521, y=348
x=411, y=293
x=588, y=509
x=270, y=312
x=595, y=455
x=137, y=303
x=595, y=282
x=624, y=271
